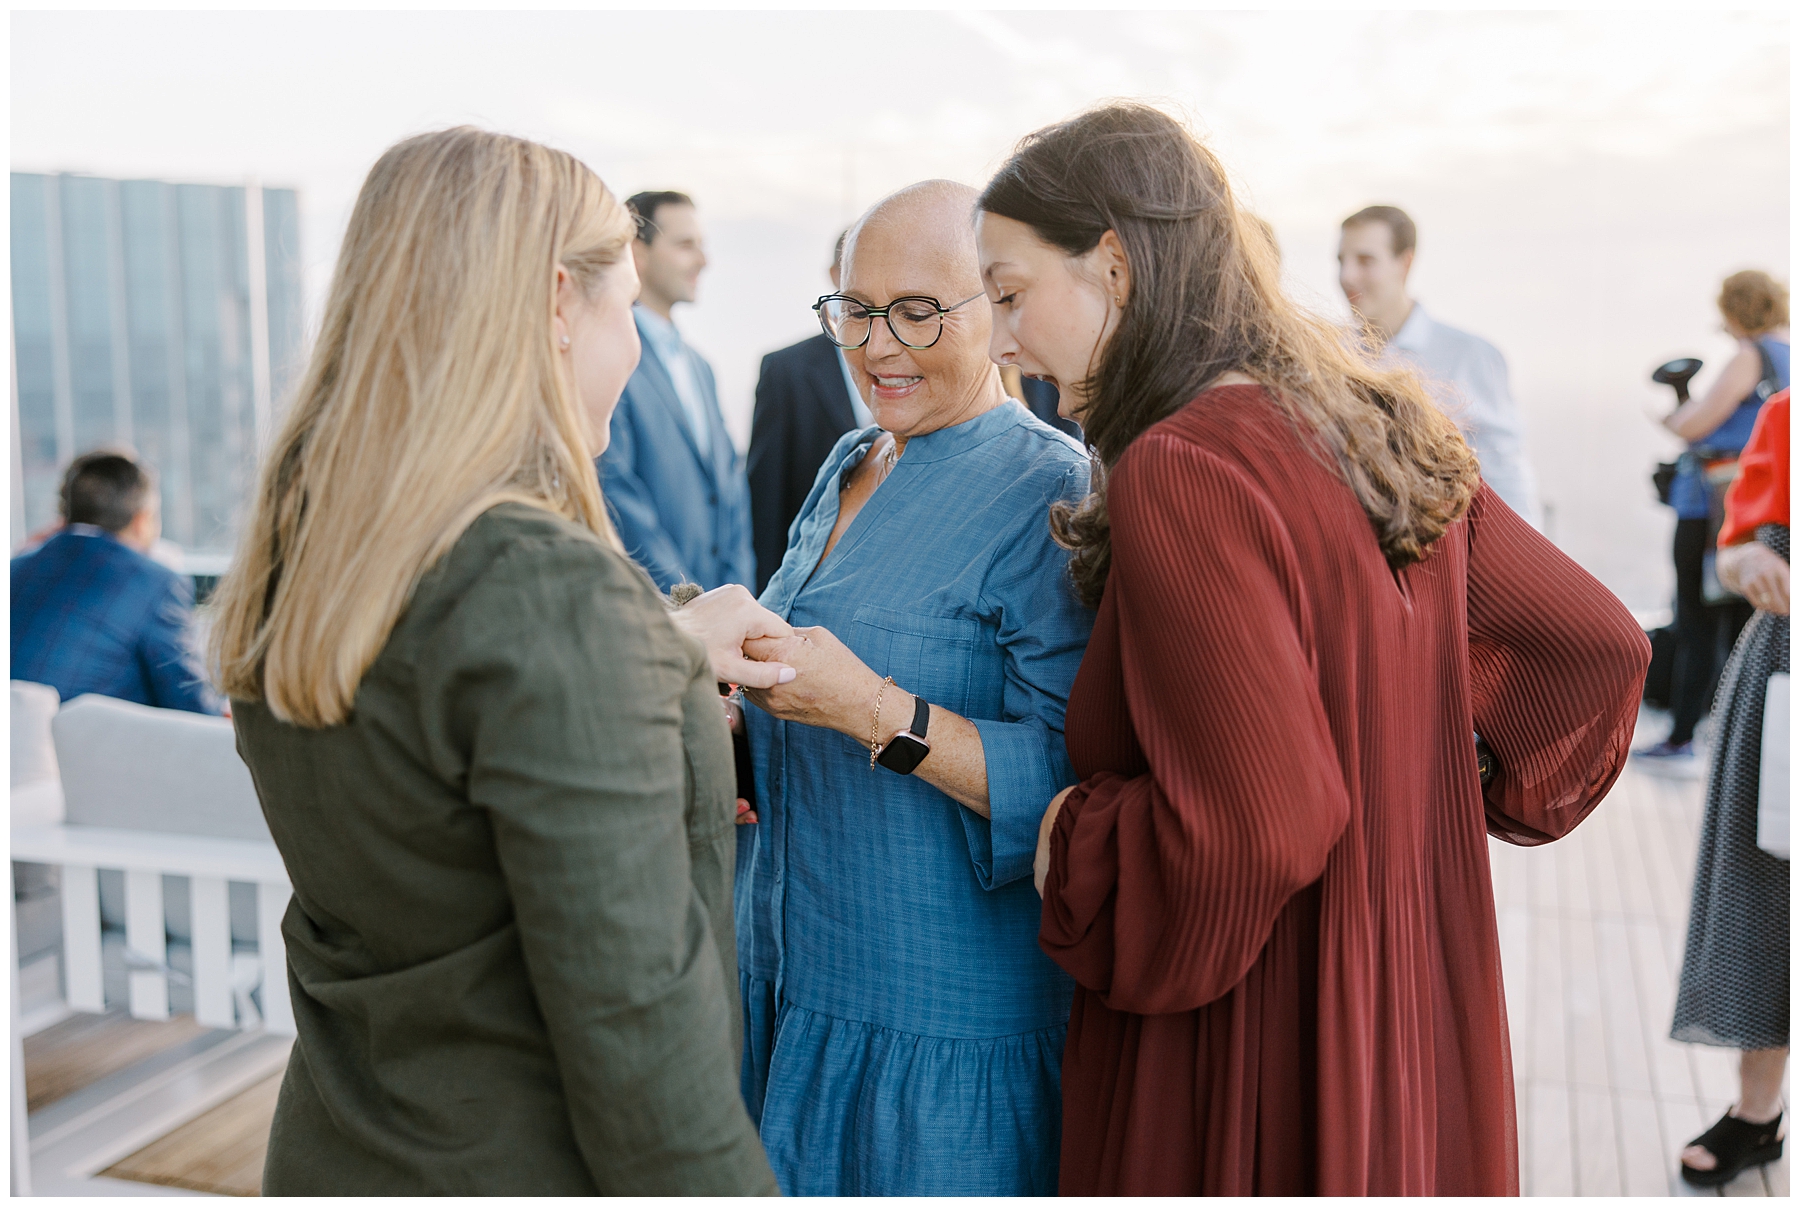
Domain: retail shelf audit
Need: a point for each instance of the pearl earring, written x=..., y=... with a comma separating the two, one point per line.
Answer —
x=565, y=341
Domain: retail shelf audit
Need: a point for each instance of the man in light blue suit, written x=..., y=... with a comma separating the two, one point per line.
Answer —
x=672, y=478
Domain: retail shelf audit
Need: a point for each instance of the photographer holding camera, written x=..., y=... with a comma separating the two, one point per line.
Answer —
x=1716, y=426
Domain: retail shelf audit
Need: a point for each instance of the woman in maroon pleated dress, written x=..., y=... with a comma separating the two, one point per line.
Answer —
x=1271, y=883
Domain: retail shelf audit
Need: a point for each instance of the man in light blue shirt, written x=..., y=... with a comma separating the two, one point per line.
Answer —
x=1466, y=374
x=673, y=481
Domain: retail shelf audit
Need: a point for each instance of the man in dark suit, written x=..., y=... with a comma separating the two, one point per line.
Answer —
x=91, y=612
x=673, y=480
x=1041, y=398
x=806, y=399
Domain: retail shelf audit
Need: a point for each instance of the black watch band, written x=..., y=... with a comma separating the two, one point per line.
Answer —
x=908, y=748
x=921, y=717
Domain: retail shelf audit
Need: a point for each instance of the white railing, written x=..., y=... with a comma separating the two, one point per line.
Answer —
x=104, y=786
x=222, y=981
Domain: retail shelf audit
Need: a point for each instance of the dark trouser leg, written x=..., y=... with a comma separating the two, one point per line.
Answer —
x=1696, y=634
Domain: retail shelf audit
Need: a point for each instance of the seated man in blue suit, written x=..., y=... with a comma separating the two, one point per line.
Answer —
x=672, y=478
x=91, y=612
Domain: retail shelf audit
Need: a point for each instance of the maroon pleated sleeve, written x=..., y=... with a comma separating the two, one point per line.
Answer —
x=1243, y=796
x=1556, y=667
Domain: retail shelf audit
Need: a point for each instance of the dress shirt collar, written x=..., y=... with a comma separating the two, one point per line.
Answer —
x=1415, y=332
x=89, y=530
x=947, y=442
x=662, y=333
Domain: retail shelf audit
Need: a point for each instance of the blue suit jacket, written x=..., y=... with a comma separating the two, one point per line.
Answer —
x=91, y=615
x=681, y=515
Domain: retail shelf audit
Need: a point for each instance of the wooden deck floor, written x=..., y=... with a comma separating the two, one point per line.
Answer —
x=221, y=1152
x=1591, y=934
x=84, y=1048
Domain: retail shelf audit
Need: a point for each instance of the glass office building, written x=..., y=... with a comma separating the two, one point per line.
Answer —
x=165, y=317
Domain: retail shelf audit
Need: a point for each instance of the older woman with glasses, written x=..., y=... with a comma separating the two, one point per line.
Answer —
x=904, y=1032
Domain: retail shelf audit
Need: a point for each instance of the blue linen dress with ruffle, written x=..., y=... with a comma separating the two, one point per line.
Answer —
x=903, y=1030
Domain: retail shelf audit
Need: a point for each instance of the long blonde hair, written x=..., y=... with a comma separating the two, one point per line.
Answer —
x=434, y=393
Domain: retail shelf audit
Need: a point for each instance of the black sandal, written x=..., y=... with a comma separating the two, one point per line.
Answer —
x=1736, y=1145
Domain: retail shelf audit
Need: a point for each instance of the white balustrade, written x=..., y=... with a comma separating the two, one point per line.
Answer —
x=81, y=936
x=146, y=945
x=222, y=979
x=209, y=899
x=106, y=786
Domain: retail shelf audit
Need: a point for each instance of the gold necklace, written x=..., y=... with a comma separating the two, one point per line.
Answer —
x=884, y=465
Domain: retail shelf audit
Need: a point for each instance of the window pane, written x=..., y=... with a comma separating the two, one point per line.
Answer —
x=32, y=350
x=86, y=273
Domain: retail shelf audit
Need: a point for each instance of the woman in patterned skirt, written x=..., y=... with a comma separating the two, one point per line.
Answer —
x=1734, y=979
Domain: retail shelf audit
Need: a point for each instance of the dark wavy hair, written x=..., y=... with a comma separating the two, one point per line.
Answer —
x=1205, y=299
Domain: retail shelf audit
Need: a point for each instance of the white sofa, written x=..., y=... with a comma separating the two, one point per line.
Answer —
x=128, y=766
x=157, y=822
x=36, y=785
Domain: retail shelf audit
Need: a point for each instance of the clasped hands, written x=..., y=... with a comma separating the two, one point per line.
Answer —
x=808, y=676
x=793, y=674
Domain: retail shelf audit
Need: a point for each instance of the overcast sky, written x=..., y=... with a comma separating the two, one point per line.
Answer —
x=1581, y=181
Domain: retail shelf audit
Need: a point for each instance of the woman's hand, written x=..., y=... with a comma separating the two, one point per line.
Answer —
x=836, y=690
x=722, y=620
x=832, y=688
x=1040, y=866
x=1756, y=572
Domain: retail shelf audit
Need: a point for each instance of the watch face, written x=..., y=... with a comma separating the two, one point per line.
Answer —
x=903, y=754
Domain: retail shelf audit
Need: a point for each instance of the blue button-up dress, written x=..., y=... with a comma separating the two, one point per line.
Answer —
x=904, y=1032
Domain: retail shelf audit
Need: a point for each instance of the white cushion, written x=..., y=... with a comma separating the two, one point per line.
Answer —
x=39, y=804
x=33, y=753
x=133, y=767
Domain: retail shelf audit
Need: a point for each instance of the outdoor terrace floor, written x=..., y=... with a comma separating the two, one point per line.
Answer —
x=1591, y=936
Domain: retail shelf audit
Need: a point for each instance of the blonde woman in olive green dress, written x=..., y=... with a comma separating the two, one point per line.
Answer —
x=500, y=778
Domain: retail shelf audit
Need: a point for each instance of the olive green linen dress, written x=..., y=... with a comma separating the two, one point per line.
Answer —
x=510, y=947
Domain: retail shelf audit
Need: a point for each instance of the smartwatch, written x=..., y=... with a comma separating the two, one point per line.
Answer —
x=908, y=748
x=1487, y=764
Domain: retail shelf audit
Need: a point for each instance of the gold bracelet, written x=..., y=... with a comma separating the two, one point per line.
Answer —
x=875, y=725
